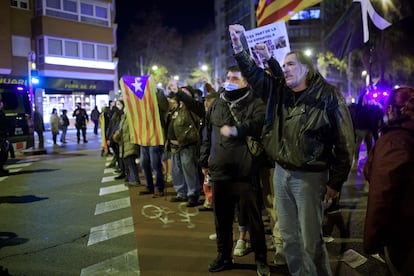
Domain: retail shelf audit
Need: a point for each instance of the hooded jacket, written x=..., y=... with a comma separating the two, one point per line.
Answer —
x=313, y=133
x=228, y=158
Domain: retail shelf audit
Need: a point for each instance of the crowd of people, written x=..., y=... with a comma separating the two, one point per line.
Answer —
x=311, y=141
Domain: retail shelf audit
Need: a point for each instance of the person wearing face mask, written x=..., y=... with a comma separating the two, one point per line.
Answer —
x=232, y=169
x=309, y=134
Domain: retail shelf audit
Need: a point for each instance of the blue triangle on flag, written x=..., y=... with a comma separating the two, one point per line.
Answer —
x=136, y=84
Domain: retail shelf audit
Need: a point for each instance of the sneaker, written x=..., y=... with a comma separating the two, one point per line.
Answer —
x=147, y=191
x=157, y=194
x=220, y=264
x=240, y=249
x=178, y=199
x=262, y=268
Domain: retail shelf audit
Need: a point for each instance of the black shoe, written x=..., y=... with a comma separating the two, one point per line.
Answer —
x=193, y=201
x=85, y=141
x=121, y=176
x=220, y=264
x=4, y=172
x=158, y=194
x=178, y=199
x=146, y=192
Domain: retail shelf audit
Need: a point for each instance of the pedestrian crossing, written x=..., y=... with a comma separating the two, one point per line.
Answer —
x=124, y=264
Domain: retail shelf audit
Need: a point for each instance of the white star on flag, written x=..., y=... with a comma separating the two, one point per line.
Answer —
x=137, y=85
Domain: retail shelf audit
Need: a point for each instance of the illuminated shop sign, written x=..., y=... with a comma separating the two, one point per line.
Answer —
x=76, y=84
x=13, y=80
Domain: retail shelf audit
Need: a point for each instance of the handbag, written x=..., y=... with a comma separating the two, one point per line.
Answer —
x=254, y=145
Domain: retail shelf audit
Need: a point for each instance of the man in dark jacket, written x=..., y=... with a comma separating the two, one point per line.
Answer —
x=232, y=169
x=309, y=134
x=81, y=119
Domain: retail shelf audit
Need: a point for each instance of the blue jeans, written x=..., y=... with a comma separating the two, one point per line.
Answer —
x=185, y=176
x=299, y=197
x=150, y=160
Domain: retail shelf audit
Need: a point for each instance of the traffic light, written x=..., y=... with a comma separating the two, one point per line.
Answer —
x=33, y=73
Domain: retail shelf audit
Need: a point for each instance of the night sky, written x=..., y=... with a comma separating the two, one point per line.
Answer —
x=186, y=16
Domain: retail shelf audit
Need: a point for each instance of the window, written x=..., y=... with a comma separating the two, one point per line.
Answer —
x=69, y=5
x=54, y=47
x=101, y=12
x=88, y=11
x=71, y=49
x=74, y=49
x=102, y=52
x=55, y=4
x=20, y=45
x=88, y=51
x=23, y=4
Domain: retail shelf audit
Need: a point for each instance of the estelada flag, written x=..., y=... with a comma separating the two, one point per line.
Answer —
x=143, y=114
x=351, y=30
x=270, y=11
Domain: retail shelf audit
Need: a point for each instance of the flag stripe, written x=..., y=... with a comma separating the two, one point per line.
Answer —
x=274, y=10
x=143, y=113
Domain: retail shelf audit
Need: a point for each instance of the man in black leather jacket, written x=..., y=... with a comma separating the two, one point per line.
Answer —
x=232, y=169
x=309, y=134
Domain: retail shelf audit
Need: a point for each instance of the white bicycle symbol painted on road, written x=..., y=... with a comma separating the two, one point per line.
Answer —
x=160, y=212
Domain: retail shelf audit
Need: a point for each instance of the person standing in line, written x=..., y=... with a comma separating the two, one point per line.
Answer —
x=81, y=119
x=151, y=156
x=39, y=127
x=233, y=170
x=65, y=123
x=389, y=171
x=184, y=137
x=54, y=125
x=95, y=119
x=128, y=151
x=308, y=132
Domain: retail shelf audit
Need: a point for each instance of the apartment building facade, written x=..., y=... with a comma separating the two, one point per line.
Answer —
x=69, y=45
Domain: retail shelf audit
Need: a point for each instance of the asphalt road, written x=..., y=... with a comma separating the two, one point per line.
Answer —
x=62, y=213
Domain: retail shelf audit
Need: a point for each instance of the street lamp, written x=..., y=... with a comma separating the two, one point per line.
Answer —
x=154, y=68
x=204, y=68
x=308, y=52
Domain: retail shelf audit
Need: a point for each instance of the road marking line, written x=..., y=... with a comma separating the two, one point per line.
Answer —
x=108, y=206
x=109, y=170
x=108, y=178
x=110, y=230
x=112, y=189
x=125, y=264
x=20, y=165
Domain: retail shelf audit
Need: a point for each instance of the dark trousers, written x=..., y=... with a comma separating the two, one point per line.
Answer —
x=78, y=131
x=226, y=194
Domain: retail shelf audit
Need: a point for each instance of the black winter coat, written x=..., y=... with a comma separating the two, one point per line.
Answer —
x=228, y=158
x=314, y=133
